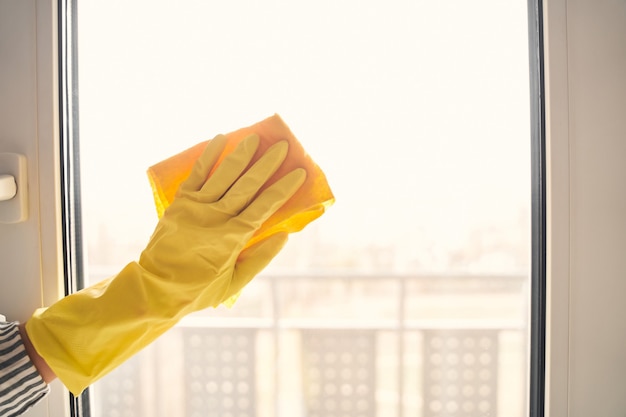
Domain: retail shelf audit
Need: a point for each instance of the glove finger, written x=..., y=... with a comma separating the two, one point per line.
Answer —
x=253, y=260
x=229, y=170
x=273, y=198
x=246, y=187
x=203, y=166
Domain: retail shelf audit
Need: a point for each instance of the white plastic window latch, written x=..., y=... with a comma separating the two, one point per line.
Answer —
x=13, y=188
x=8, y=187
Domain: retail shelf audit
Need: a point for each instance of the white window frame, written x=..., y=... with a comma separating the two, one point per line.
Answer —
x=31, y=251
x=557, y=195
x=585, y=130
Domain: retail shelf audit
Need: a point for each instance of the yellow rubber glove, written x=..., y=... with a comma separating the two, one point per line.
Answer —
x=195, y=259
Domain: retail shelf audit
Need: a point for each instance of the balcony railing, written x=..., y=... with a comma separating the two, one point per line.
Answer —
x=338, y=346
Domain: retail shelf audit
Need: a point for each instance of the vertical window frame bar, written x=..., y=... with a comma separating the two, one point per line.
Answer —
x=73, y=263
x=537, y=358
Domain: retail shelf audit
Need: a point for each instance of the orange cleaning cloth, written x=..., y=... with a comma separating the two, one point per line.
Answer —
x=309, y=202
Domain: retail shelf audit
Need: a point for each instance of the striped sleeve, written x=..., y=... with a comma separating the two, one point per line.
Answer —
x=21, y=386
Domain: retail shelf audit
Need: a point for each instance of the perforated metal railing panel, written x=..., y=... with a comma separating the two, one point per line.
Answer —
x=307, y=368
x=460, y=373
x=339, y=373
x=220, y=372
x=119, y=393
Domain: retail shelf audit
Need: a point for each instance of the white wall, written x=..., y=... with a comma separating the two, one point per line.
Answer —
x=587, y=197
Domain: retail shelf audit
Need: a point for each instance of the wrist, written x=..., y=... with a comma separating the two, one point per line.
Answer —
x=47, y=374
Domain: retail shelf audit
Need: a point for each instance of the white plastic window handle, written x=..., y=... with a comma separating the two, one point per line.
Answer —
x=13, y=188
x=8, y=187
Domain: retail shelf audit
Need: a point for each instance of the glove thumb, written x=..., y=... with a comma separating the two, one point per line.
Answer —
x=253, y=260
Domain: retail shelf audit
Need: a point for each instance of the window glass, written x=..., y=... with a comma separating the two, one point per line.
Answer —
x=410, y=295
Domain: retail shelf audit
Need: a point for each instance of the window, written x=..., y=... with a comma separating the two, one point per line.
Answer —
x=411, y=295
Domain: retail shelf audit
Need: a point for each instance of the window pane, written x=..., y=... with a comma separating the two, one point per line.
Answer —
x=410, y=295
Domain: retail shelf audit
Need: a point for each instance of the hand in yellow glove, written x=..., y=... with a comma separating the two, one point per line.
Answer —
x=195, y=259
